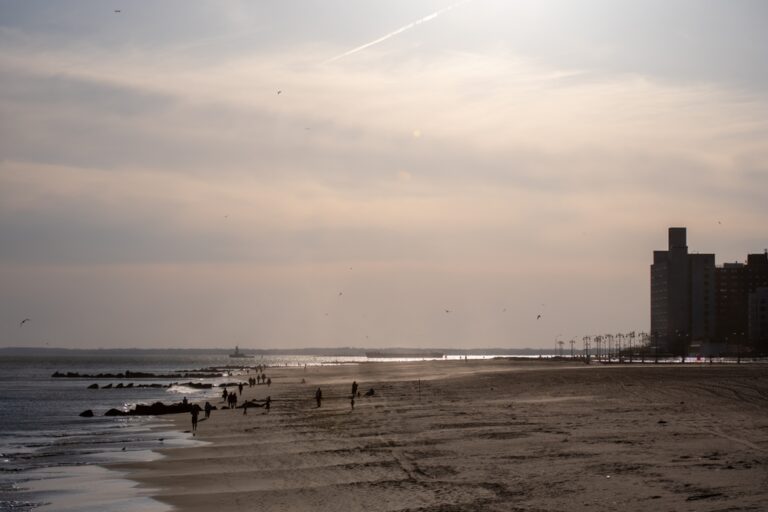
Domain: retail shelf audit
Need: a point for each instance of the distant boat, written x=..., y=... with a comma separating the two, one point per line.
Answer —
x=416, y=354
x=239, y=354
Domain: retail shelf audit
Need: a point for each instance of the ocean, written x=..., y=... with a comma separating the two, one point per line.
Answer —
x=51, y=459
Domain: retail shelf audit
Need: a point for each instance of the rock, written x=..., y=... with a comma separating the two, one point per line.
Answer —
x=115, y=412
x=159, y=409
x=119, y=385
x=87, y=414
x=93, y=386
x=108, y=386
x=370, y=392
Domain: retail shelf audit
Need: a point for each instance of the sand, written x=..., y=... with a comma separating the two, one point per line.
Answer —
x=482, y=435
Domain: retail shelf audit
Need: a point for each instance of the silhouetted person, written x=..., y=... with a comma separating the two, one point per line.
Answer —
x=184, y=402
x=194, y=419
x=269, y=382
x=268, y=404
x=354, y=387
x=208, y=408
x=318, y=396
x=352, y=402
x=240, y=389
x=224, y=394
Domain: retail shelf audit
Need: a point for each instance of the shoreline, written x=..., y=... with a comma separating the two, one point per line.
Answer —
x=490, y=434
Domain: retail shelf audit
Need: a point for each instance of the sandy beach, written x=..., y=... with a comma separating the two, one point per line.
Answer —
x=481, y=435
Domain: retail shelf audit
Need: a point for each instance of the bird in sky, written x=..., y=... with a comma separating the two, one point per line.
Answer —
x=118, y=11
x=24, y=321
x=538, y=316
x=340, y=294
x=447, y=310
x=279, y=92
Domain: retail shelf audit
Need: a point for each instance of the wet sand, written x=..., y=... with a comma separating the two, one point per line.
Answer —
x=482, y=435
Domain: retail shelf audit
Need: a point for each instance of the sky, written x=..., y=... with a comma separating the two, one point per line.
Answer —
x=370, y=174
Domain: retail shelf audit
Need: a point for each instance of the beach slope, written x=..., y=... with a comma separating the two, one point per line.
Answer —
x=481, y=435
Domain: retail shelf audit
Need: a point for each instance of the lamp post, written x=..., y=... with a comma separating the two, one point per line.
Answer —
x=586, y=340
x=619, y=340
x=644, y=340
x=572, y=342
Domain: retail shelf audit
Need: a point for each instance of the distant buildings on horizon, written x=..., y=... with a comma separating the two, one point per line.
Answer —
x=696, y=305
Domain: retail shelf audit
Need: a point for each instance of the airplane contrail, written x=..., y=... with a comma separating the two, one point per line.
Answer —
x=398, y=31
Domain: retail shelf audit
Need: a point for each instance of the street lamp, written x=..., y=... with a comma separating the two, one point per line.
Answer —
x=586, y=340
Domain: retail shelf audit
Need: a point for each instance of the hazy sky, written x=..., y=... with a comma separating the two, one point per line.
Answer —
x=328, y=173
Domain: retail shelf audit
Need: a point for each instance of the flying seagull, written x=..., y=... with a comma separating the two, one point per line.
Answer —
x=24, y=321
x=118, y=10
x=279, y=92
x=538, y=316
x=447, y=310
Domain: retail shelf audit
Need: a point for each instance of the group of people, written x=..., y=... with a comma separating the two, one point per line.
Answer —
x=259, y=379
x=231, y=398
x=355, y=394
x=195, y=411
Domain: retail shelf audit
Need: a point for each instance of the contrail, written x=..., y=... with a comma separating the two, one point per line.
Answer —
x=396, y=32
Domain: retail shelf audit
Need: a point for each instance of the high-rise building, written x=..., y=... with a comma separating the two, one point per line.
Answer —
x=693, y=301
x=683, y=299
x=758, y=320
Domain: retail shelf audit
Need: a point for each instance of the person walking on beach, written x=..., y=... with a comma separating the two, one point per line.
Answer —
x=240, y=389
x=354, y=387
x=318, y=396
x=208, y=408
x=224, y=394
x=268, y=404
x=194, y=419
x=269, y=381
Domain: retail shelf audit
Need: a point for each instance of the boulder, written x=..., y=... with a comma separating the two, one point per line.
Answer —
x=115, y=412
x=93, y=386
x=87, y=414
x=159, y=409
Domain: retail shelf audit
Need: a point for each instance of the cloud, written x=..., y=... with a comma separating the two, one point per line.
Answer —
x=175, y=189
